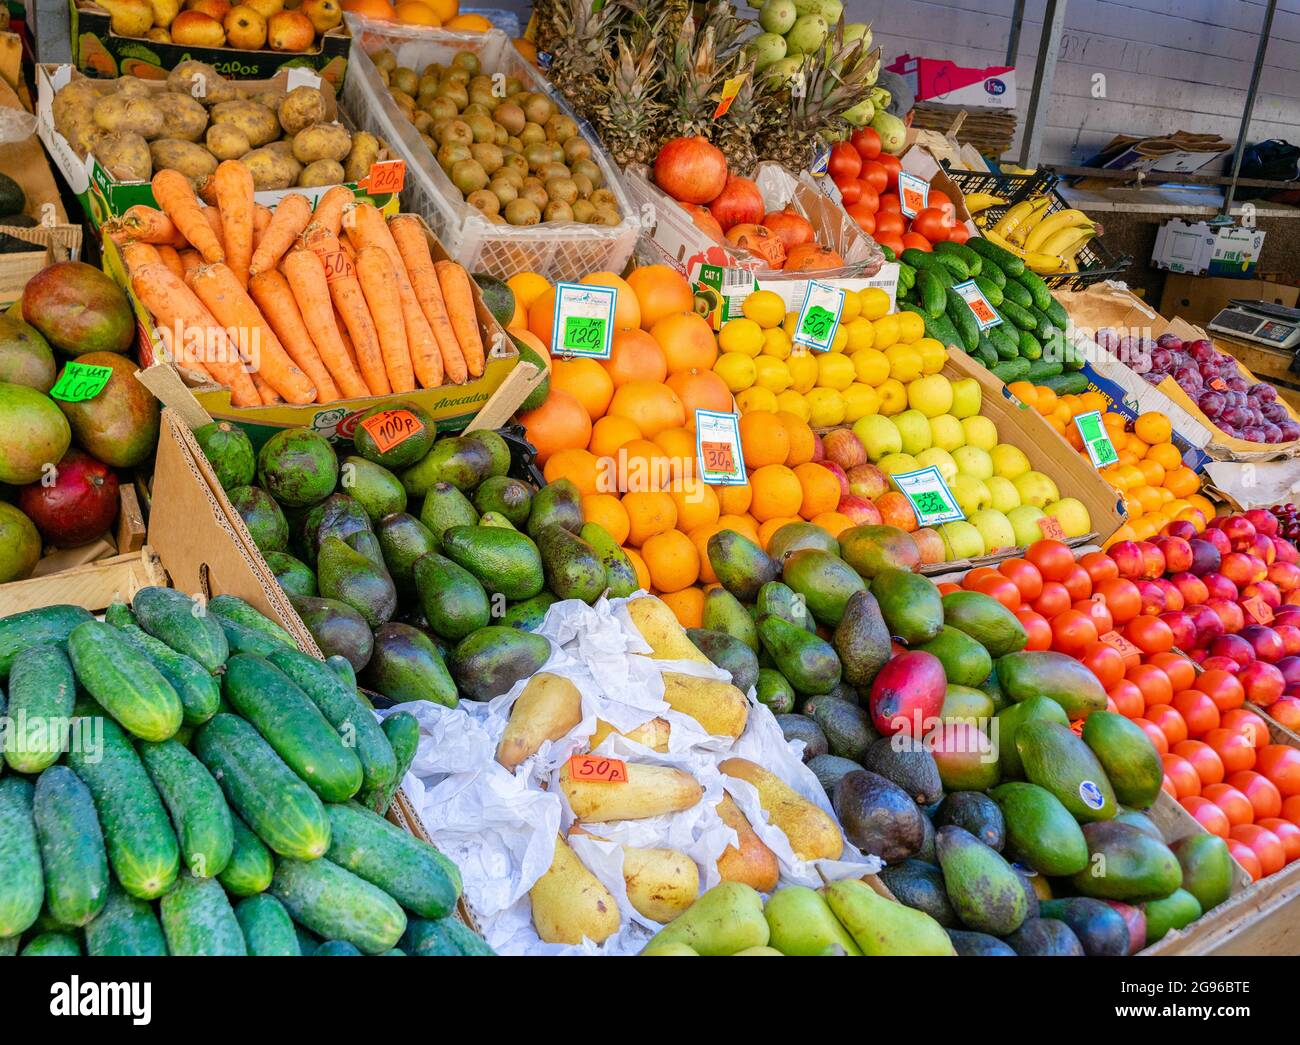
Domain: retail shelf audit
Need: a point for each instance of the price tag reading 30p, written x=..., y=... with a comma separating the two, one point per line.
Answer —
x=1096, y=440
x=717, y=448
x=931, y=499
x=913, y=194
x=985, y=315
x=819, y=318
x=584, y=320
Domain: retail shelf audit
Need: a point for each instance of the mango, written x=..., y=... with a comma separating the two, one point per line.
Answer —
x=78, y=309
x=872, y=549
x=35, y=434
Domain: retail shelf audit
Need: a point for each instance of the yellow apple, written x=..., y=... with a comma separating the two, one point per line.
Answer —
x=970, y=494
x=895, y=463
x=1024, y=522
x=941, y=459
x=1004, y=493
x=1036, y=488
x=946, y=432
x=323, y=14
x=245, y=28
x=893, y=397
x=931, y=395
x=195, y=29
x=961, y=540
x=878, y=435
x=914, y=428
x=981, y=432
x=1009, y=461
x=1072, y=515
x=289, y=31
x=995, y=528
x=973, y=461
x=966, y=398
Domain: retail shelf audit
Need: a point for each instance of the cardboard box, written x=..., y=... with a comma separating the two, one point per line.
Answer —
x=922, y=162
x=1198, y=299
x=98, y=51
x=1219, y=250
x=1179, y=153
x=939, y=80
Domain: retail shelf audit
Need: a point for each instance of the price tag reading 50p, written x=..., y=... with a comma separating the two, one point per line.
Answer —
x=584, y=320
x=819, y=318
x=913, y=194
x=931, y=499
x=985, y=315
x=1096, y=439
x=717, y=448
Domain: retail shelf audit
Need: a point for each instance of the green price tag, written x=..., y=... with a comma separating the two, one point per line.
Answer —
x=583, y=334
x=819, y=317
x=584, y=320
x=1095, y=440
x=929, y=502
x=931, y=499
x=817, y=323
x=80, y=381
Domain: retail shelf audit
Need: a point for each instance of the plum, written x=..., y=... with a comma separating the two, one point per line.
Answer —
x=1170, y=341
x=1211, y=403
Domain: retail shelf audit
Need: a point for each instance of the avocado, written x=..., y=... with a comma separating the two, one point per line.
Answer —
x=1040, y=831
x=511, y=497
x=407, y=666
x=1099, y=928
x=992, y=686
x=1126, y=864
x=229, y=451
x=729, y=654
x=337, y=628
x=1011, y=718
x=1175, y=911
x=1136, y=818
x=454, y=602
x=986, y=621
x=965, y=661
x=741, y=566
x=1045, y=938
x=800, y=727
x=492, y=659
x=529, y=614
x=262, y=518
x=847, y=728
x=620, y=575
x=779, y=600
x=402, y=540
x=414, y=427
x=457, y=460
x=1054, y=758
x=497, y=448
x=293, y=575
x=830, y=769
x=809, y=663
x=723, y=612
x=372, y=486
x=861, y=639
x=910, y=604
x=558, y=503
x=1057, y=676
x=907, y=763
x=507, y=562
x=1028, y=885
x=978, y=945
x=843, y=691
x=444, y=506
x=571, y=567
x=497, y=296
x=927, y=852
x=964, y=704
x=338, y=515
x=528, y=354
x=345, y=574
x=825, y=581
x=1207, y=868
x=365, y=542
x=495, y=519
x=976, y=813
x=921, y=886
x=1128, y=756
x=878, y=816
x=12, y=198
x=985, y=890
x=774, y=691
x=297, y=467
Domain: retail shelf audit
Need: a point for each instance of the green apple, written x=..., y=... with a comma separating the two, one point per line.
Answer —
x=879, y=436
x=1024, y=522
x=1009, y=461
x=970, y=494
x=1035, y=488
x=777, y=16
x=807, y=34
x=932, y=395
x=995, y=528
x=961, y=541
x=895, y=463
x=966, y=397
x=973, y=461
x=941, y=459
x=980, y=431
x=946, y=432
x=1004, y=493
x=1072, y=515
x=766, y=49
x=914, y=427
x=858, y=31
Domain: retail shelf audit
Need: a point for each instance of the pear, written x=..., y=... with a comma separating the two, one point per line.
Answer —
x=726, y=919
x=802, y=923
x=882, y=927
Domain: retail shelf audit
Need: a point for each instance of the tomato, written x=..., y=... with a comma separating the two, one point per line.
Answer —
x=976, y=575
x=863, y=215
x=889, y=201
x=1261, y=792
x=998, y=587
x=889, y=223
x=1248, y=724
x=844, y=161
x=932, y=223
x=1207, y=814
x=1222, y=687
x=1236, y=750
x=1024, y=575
x=867, y=141
x=1198, y=712
x=1053, y=600
x=1185, y=779
x=1266, y=846
x=1204, y=759
x=1169, y=722
x=959, y=233
x=1149, y=634
x=1096, y=611
x=893, y=242
x=1245, y=856
x=1153, y=683
x=916, y=241
x=1288, y=834
x=1281, y=764
x=1154, y=734
x=1232, y=802
x=1072, y=631
x=1100, y=567
x=1077, y=583
x=892, y=167
x=869, y=198
x=947, y=588
x=1107, y=663
x=1122, y=598
x=1053, y=559
x=1180, y=669
x=1036, y=627
x=876, y=175
x=850, y=190
x=1291, y=809
x=1126, y=697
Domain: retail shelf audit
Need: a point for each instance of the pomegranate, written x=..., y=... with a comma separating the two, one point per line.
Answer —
x=790, y=226
x=78, y=506
x=758, y=240
x=812, y=257
x=691, y=170
x=739, y=203
x=704, y=219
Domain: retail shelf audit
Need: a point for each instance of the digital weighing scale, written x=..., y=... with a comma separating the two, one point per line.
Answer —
x=1262, y=322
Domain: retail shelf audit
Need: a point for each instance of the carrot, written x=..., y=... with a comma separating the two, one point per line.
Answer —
x=329, y=208
x=349, y=250
x=171, y=258
x=408, y=235
x=347, y=341
x=274, y=297
x=212, y=215
x=234, y=188
x=348, y=298
x=143, y=224
x=175, y=196
x=175, y=306
x=306, y=277
x=291, y=216
x=379, y=284
x=219, y=289
x=136, y=255
x=192, y=364
x=190, y=260
x=269, y=395
x=454, y=282
x=261, y=221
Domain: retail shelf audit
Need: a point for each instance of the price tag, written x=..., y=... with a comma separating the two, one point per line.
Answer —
x=1218, y=384
x=729, y=91
x=597, y=768
x=985, y=315
x=717, y=448
x=390, y=428
x=80, y=381
x=819, y=318
x=584, y=320
x=337, y=265
x=913, y=194
x=1116, y=641
x=1076, y=727
x=1096, y=440
x=931, y=499
x=1050, y=528
x=1258, y=610
x=385, y=176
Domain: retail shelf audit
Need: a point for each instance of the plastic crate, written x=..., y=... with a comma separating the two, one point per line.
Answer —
x=556, y=250
x=1011, y=187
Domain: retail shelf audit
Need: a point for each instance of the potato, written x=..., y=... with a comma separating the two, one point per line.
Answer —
x=364, y=152
x=322, y=141
x=321, y=172
x=227, y=142
x=119, y=112
x=75, y=99
x=256, y=121
x=194, y=161
x=271, y=99
x=283, y=147
x=125, y=155
x=271, y=169
x=133, y=87
x=302, y=107
x=183, y=117
x=201, y=82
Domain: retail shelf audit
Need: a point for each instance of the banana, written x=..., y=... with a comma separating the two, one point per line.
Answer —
x=978, y=201
x=1036, y=214
x=998, y=240
x=1052, y=224
x=1044, y=264
x=1013, y=217
x=1063, y=240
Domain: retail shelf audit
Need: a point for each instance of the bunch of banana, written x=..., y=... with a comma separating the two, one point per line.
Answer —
x=1047, y=243
x=981, y=201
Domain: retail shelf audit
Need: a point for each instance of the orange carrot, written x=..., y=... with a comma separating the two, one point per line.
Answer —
x=192, y=364
x=175, y=196
x=349, y=250
x=379, y=284
x=346, y=293
x=137, y=255
x=234, y=188
x=329, y=208
x=219, y=289
x=175, y=306
x=456, y=292
x=212, y=215
x=347, y=341
x=269, y=395
x=143, y=224
x=408, y=235
x=275, y=298
x=190, y=260
x=171, y=258
x=291, y=216
x=306, y=276
x=261, y=221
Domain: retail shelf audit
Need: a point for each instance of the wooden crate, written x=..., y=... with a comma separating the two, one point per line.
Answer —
x=93, y=586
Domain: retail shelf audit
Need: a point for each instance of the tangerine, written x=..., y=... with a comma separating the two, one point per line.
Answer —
x=560, y=423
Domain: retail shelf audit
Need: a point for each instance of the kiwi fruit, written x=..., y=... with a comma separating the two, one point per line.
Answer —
x=522, y=212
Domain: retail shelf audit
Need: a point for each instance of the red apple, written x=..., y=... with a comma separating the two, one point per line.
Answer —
x=1183, y=627
x=1153, y=598
x=79, y=505
x=819, y=448
x=1206, y=557
x=1153, y=560
x=1128, y=557
x=1266, y=642
x=839, y=474
x=1191, y=587
x=1177, y=553
x=1262, y=682
x=860, y=511
x=1264, y=521
x=844, y=448
x=869, y=482
x=1219, y=586
x=930, y=543
x=1174, y=600
x=1230, y=613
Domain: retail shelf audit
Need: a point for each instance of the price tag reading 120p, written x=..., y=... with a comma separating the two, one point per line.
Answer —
x=819, y=318
x=931, y=499
x=717, y=448
x=584, y=320
x=1096, y=440
x=985, y=315
x=913, y=194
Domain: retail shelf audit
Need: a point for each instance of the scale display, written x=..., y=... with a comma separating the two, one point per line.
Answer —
x=1278, y=332
x=1261, y=322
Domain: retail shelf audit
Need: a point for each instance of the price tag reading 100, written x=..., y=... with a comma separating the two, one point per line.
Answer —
x=584, y=320
x=931, y=499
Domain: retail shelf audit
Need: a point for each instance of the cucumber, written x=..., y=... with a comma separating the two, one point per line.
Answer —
x=52, y=945
x=994, y=275
x=1016, y=293
x=1037, y=289
x=444, y=938
x=412, y=872
x=1056, y=313
x=231, y=607
x=1004, y=259
x=119, y=615
x=198, y=808
x=1041, y=369
x=243, y=639
x=22, y=885
x=36, y=627
x=1011, y=370
x=403, y=733
x=251, y=865
x=336, y=949
x=343, y=709
x=1008, y=347
x=963, y=320
x=941, y=329
x=294, y=727
x=42, y=692
x=974, y=263
x=1073, y=356
x=918, y=259
x=1067, y=384
x=334, y=903
x=197, y=919
x=959, y=269
x=985, y=354
x=199, y=691
x=342, y=667
x=282, y=810
x=1030, y=347
x=1017, y=315
x=887, y=252
x=183, y=624
x=126, y=927
x=906, y=274
x=394, y=952
x=72, y=847
x=8, y=946
x=124, y=682
x=931, y=293
x=990, y=290
x=307, y=941
x=1040, y=318
x=267, y=927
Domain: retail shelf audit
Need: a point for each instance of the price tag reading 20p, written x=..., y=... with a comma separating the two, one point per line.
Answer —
x=819, y=318
x=931, y=499
x=1096, y=439
x=584, y=320
x=717, y=448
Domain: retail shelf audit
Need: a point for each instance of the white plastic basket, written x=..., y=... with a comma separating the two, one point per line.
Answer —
x=557, y=250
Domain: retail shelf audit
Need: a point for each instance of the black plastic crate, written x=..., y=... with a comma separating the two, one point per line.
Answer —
x=1011, y=187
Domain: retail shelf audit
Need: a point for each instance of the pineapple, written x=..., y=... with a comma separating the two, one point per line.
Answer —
x=691, y=82
x=580, y=41
x=733, y=133
x=629, y=114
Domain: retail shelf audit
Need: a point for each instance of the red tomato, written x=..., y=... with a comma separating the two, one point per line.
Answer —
x=1024, y=575
x=1232, y=802
x=1053, y=559
x=1036, y=627
x=869, y=198
x=850, y=190
x=1180, y=669
x=932, y=223
x=1288, y=834
x=892, y=166
x=889, y=201
x=1122, y=598
x=1245, y=856
x=844, y=161
x=1153, y=683
x=1204, y=759
x=1281, y=764
x=1077, y=583
x=1072, y=631
x=1198, y=711
x=1185, y=779
x=1154, y=733
x=863, y=215
x=875, y=174
x=1100, y=567
x=1169, y=722
x=1236, y=749
x=1222, y=687
x=1291, y=809
x=1208, y=815
x=1053, y=600
x=1126, y=697
x=916, y=241
x=1097, y=612
x=893, y=242
x=1107, y=663
x=1149, y=634
x=889, y=223
x=999, y=587
x=973, y=577
x=959, y=233
x=867, y=142
x=1261, y=792
x=1248, y=724
x=1266, y=846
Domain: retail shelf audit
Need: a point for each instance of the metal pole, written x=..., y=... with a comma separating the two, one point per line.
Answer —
x=1013, y=41
x=1249, y=110
x=1049, y=46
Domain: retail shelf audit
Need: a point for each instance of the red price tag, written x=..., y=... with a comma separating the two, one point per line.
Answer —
x=1051, y=528
x=1259, y=610
x=1076, y=727
x=1218, y=384
x=718, y=457
x=385, y=176
x=1116, y=641
x=914, y=200
x=391, y=428
x=596, y=768
x=337, y=265
x=982, y=311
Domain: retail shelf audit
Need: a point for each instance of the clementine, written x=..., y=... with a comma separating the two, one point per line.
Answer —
x=660, y=291
x=560, y=423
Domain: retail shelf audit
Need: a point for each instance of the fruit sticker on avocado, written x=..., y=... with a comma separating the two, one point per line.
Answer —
x=717, y=448
x=819, y=318
x=598, y=769
x=80, y=381
x=1091, y=795
x=929, y=495
x=584, y=320
x=1096, y=440
x=913, y=194
x=985, y=315
x=391, y=428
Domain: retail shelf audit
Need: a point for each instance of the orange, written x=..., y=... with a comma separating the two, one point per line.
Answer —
x=763, y=440
x=446, y=10
x=660, y=291
x=687, y=340
x=527, y=48
x=587, y=381
x=627, y=310
x=641, y=465
x=697, y=504
x=377, y=9
x=1073, y=437
x=821, y=489
x=777, y=491
x=701, y=390
x=560, y=423
x=635, y=356
x=1201, y=503
x=673, y=562
x=832, y=522
x=651, y=407
x=679, y=445
x=527, y=286
x=745, y=525
x=1166, y=455
x=700, y=538
x=1153, y=427
x=648, y=513
x=609, y=433
x=468, y=24
x=1045, y=402
x=1145, y=528
x=638, y=564
x=687, y=606
x=1182, y=482
x=1152, y=471
x=802, y=441
x=734, y=500
x=1124, y=533
x=581, y=467
x=412, y=12
x=1090, y=401
x=770, y=527
x=605, y=510
x=1025, y=391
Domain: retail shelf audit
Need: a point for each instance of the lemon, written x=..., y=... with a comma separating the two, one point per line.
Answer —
x=803, y=371
x=794, y=403
x=756, y=399
x=825, y=408
x=904, y=363
x=933, y=355
x=893, y=397
x=859, y=401
x=911, y=327
x=871, y=366
x=861, y=334
x=771, y=374
x=791, y=324
x=741, y=335
x=834, y=371
x=852, y=307
x=736, y=369
x=764, y=307
x=840, y=341
x=886, y=328
x=776, y=343
x=873, y=303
